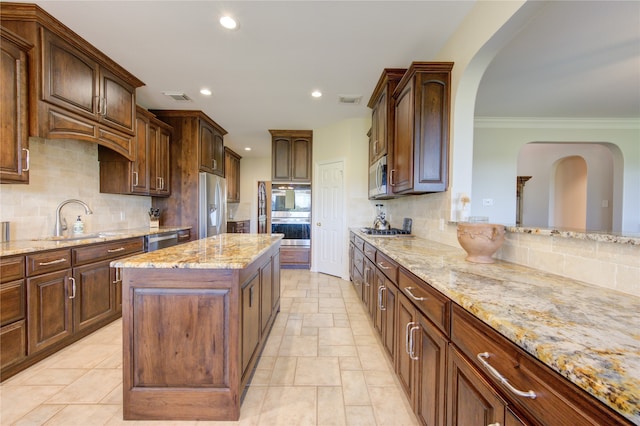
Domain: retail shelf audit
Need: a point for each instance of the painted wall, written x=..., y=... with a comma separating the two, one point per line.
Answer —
x=60, y=170
x=252, y=170
x=498, y=143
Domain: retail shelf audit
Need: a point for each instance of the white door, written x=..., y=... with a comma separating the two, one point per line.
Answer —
x=329, y=219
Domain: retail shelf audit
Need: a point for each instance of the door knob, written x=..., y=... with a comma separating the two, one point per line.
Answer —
x=318, y=224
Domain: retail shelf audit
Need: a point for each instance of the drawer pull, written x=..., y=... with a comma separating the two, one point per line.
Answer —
x=495, y=373
x=115, y=250
x=408, y=290
x=53, y=262
x=380, y=264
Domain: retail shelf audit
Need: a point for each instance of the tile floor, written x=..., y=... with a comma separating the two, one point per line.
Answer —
x=322, y=365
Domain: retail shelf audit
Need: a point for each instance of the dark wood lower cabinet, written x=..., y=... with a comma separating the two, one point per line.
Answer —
x=250, y=320
x=293, y=257
x=95, y=295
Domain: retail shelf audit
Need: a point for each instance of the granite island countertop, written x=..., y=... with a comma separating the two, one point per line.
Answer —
x=224, y=251
x=588, y=334
x=11, y=248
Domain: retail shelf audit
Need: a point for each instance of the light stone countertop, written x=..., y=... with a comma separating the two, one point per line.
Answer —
x=588, y=334
x=224, y=251
x=48, y=243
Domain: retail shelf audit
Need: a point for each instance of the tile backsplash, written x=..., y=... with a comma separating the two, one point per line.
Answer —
x=62, y=169
x=614, y=266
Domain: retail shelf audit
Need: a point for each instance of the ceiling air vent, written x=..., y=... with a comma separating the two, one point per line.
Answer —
x=177, y=96
x=349, y=99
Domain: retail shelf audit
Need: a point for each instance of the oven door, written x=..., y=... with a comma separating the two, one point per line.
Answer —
x=296, y=233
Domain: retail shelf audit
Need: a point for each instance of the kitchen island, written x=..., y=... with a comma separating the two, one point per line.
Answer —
x=195, y=318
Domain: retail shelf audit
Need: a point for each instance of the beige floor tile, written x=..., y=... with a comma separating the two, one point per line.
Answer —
x=260, y=378
x=360, y=415
x=361, y=327
x=299, y=346
x=48, y=377
x=390, y=408
x=39, y=415
x=284, y=371
x=372, y=358
x=266, y=362
x=351, y=351
x=321, y=371
x=114, y=397
x=331, y=406
x=293, y=328
x=286, y=406
x=350, y=363
x=318, y=320
x=304, y=307
x=83, y=414
x=380, y=378
x=354, y=388
x=335, y=337
x=17, y=401
x=90, y=388
x=309, y=331
x=366, y=340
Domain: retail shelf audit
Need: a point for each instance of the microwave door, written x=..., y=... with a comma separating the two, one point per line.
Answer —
x=379, y=178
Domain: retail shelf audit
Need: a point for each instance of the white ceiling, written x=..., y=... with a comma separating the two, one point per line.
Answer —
x=575, y=59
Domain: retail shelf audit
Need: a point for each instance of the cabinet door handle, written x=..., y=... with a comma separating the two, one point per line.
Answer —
x=391, y=177
x=367, y=271
x=482, y=356
x=27, y=160
x=73, y=288
x=408, y=291
x=406, y=337
x=380, y=305
x=115, y=250
x=412, y=343
x=135, y=175
x=104, y=106
x=251, y=296
x=213, y=163
x=99, y=105
x=118, y=276
x=53, y=262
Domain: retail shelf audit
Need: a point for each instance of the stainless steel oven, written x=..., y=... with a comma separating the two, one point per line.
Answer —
x=296, y=227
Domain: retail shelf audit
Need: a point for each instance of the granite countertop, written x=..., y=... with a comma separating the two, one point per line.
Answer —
x=588, y=334
x=224, y=251
x=50, y=243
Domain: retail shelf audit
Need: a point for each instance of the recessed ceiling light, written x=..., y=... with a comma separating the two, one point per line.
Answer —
x=228, y=22
x=248, y=148
x=205, y=92
x=316, y=93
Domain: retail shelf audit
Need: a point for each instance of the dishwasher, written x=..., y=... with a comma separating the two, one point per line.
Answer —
x=159, y=241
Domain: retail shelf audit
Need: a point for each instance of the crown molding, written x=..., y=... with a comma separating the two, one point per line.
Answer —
x=557, y=123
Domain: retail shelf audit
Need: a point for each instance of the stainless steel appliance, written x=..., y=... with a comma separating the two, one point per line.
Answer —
x=159, y=241
x=212, y=205
x=291, y=213
x=378, y=178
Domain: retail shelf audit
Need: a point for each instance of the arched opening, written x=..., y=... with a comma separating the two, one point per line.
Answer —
x=568, y=198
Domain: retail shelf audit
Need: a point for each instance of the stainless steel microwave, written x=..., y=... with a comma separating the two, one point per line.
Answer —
x=378, y=178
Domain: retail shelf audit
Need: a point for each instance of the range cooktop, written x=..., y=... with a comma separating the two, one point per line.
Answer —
x=385, y=232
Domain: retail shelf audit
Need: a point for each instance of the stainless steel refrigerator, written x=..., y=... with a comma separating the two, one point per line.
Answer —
x=212, y=205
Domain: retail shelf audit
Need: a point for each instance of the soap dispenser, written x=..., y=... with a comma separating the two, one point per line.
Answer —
x=78, y=226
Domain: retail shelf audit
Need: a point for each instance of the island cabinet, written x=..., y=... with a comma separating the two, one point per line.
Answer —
x=79, y=93
x=192, y=335
x=14, y=118
x=419, y=160
x=148, y=174
x=291, y=155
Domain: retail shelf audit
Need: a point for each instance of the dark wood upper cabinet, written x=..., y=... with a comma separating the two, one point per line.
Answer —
x=232, y=175
x=419, y=160
x=382, y=106
x=14, y=92
x=148, y=174
x=78, y=92
x=211, y=149
x=291, y=155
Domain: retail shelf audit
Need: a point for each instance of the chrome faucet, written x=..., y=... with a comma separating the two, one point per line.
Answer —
x=61, y=227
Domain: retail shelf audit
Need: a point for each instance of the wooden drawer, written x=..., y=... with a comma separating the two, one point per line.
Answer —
x=428, y=300
x=11, y=268
x=557, y=400
x=387, y=266
x=358, y=261
x=105, y=251
x=13, y=343
x=294, y=255
x=370, y=251
x=359, y=243
x=49, y=261
x=184, y=236
x=12, y=302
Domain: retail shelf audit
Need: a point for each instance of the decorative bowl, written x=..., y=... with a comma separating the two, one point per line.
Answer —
x=480, y=240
